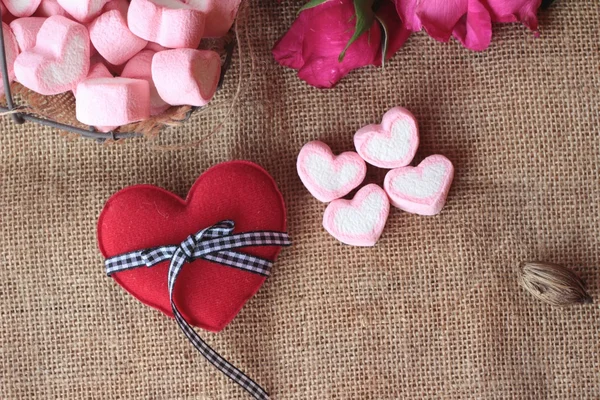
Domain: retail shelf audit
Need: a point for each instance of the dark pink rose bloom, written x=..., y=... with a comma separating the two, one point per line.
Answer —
x=469, y=21
x=318, y=36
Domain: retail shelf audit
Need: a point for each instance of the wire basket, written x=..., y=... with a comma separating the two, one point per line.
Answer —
x=22, y=115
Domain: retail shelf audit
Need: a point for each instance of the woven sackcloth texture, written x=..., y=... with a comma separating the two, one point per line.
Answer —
x=433, y=311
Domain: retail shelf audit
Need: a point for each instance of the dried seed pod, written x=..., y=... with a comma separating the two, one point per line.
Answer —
x=553, y=284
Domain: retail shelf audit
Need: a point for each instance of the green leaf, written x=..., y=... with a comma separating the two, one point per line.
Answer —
x=311, y=4
x=364, y=20
x=384, y=42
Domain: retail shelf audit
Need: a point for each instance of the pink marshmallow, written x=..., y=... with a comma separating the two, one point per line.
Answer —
x=26, y=30
x=186, y=76
x=11, y=48
x=49, y=8
x=421, y=190
x=140, y=67
x=360, y=221
x=83, y=10
x=392, y=144
x=220, y=15
x=170, y=23
x=22, y=8
x=59, y=60
x=113, y=39
x=326, y=176
x=97, y=70
x=112, y=101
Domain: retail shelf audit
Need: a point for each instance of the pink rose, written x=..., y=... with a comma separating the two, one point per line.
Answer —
x=316, y=39
x=469, y=21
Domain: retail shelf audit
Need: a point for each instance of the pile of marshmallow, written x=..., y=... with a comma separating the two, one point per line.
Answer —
x=391, y=145
x=124, y=61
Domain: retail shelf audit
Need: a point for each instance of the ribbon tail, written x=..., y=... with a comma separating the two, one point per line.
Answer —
x=218, y=361
x=177, y=262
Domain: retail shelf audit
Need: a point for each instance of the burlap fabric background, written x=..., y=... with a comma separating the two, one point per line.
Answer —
x=434, y=311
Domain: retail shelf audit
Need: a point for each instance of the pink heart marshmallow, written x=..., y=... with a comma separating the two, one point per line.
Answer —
x=140, y=67
x=360, y=221
x=59, y=60
x=421, y=190
x=391, y=144
x=22, y=8
x=111, y=36
x=186, y=76
x=170, y=23
x=83, y=10
x=112, y=101
x=220, y=15
x=26, y=30
x=326, y=176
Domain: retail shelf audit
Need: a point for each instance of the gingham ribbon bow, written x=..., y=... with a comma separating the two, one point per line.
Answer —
x=217, y=244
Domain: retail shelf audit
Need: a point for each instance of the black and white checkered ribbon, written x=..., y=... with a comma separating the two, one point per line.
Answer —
x=217, y=244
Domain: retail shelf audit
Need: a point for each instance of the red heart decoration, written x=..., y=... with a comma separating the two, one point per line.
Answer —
x=208, y=295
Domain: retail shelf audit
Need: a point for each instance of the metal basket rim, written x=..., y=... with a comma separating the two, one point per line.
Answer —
x=91, y=133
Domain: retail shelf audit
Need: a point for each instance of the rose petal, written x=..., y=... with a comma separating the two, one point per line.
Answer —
x=474, y=30
x=288, y=50
x=439, y=17
x=524, y=11
x=407, y=10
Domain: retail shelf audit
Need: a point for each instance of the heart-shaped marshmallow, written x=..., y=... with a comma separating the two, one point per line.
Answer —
x=208, y=295
x=11, y=48
x=22, y=8
x=326, y=176
x=360, y=221
x=170, y=23
x=186, y=76
x=59, y=60
x=423, y=189
x=220, y=15
x=83, y=10
x=111, y=36
x=97, y=70
x=391, y=144
x=112, y=101
x=140, y=67
x=26, y=30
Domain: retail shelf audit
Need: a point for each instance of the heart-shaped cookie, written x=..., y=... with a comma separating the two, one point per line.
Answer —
x=360, y=221
x=423, y=189
x=391, y=144
x=59, y=60
x=326, y=176
x=208, y=295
